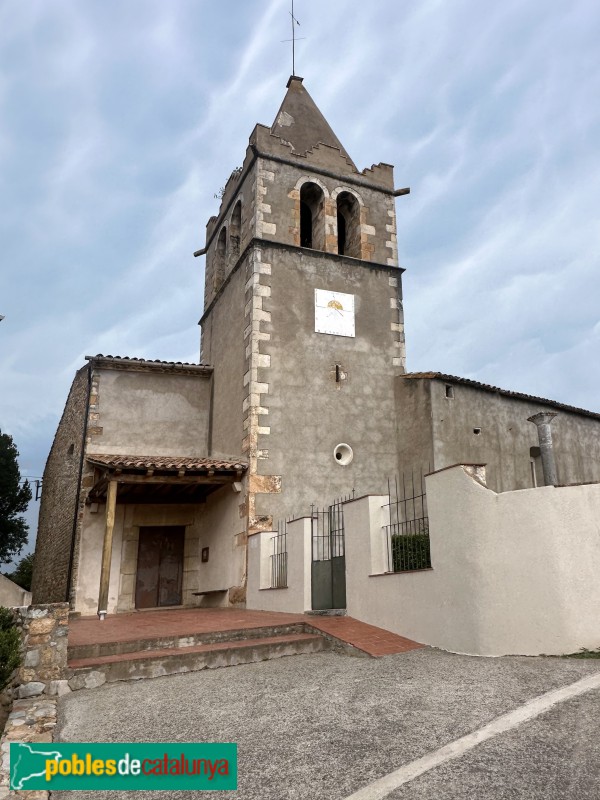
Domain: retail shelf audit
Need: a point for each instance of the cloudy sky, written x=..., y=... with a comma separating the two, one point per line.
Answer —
x=121, y=119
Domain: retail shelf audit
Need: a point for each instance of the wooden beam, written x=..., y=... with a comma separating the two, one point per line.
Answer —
x=111, y=502
x=172, y=479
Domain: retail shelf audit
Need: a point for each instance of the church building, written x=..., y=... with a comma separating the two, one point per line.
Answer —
x=160, y=472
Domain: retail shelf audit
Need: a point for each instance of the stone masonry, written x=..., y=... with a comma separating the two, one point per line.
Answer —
x=41, y=678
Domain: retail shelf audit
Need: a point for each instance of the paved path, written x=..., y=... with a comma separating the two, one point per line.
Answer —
x=326, y=726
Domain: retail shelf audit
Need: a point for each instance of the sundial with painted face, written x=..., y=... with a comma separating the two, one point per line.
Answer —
x=334, y=313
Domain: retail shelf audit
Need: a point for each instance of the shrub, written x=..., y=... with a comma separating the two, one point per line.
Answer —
x=10, y=646
x=410, y=551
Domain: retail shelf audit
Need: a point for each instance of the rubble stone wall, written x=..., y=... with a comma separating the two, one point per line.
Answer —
x=30, y=698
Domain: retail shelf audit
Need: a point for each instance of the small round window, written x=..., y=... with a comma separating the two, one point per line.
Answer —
x=343, y=454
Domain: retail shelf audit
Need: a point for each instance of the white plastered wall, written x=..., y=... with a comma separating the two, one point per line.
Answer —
x=513, y=573
x=12, y=595
x=296, y=597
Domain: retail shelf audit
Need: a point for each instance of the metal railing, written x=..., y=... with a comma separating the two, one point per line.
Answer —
x=328, y=530
x=407, y=531
x=279, y=557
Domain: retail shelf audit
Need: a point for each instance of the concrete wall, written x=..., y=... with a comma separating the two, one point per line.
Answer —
x=296, y=597
x=512, y=573
x=211, y=524
x=150, y=413
x=12, y=595
x=59, y=497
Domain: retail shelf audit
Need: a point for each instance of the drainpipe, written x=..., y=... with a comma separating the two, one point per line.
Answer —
x=542, y=421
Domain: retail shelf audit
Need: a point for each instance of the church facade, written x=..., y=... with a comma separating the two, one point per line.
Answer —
x=161, y=471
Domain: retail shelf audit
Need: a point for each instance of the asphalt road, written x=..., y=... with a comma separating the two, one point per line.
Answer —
x=324, y=726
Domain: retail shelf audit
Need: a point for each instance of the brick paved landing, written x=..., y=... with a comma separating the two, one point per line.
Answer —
x=188, y=621
x=171, y=622
x=374, y=641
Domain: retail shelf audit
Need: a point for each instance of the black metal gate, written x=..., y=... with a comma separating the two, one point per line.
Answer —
x=328, y=572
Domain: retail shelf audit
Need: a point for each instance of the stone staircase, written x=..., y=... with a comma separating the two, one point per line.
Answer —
x=92, y=665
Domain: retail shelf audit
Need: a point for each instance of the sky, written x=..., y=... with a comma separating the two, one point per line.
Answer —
x=120, y=120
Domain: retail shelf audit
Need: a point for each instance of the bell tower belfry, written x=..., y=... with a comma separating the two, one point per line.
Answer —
x=303, y=318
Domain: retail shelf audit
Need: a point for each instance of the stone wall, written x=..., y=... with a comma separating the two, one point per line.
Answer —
x=36, y=684
x=59, y=495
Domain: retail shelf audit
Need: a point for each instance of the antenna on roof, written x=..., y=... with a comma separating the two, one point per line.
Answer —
x=293, y=39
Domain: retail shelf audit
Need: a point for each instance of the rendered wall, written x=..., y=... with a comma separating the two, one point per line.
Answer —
x=439, y=431
x=306, y=411
x=150, y=413
x=513, y=573
x=295, y=598
x=223, y=347
x=506, y=437
x=414, y=427
x=12, y=595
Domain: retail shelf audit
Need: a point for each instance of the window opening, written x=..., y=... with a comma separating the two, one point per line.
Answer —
x=341, y=222
x=305, y=226
x=348, y=219
x=219, y=260
x=235, y=229
x=312, y=217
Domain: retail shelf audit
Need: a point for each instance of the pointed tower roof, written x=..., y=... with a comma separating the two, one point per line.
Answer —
x=300, y=123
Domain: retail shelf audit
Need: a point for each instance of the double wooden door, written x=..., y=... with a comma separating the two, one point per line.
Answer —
x=159, y=567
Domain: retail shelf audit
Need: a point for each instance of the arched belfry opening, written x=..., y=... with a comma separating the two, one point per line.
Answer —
x=348, y=225
x=220, y=259
x=235, y=230
x=312, y=217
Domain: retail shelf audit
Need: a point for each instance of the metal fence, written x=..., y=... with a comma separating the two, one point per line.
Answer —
x=408, y=527
x=279, y=557
x=328, y=530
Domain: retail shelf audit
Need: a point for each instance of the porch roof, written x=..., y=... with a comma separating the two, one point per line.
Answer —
x=162, y=479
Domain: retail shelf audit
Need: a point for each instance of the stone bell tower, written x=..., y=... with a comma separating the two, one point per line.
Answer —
x=303, y=317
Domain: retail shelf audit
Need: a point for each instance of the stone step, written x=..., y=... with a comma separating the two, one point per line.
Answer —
x=93, y=672
x=117, y=647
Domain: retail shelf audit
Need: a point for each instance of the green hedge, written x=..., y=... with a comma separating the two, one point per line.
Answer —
x=410, y=551
x=10, y=646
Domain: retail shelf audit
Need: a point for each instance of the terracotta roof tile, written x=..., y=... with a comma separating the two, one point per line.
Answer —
x=166, y=462
x=146, y=363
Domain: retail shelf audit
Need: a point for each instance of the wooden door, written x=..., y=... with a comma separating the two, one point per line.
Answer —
x=159, y=567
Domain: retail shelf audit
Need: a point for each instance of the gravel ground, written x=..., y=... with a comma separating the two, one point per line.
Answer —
x=322, y=726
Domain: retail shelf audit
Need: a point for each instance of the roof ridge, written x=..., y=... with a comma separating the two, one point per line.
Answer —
x=506, y=392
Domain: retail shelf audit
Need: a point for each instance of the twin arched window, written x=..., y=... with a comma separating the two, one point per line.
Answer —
x=312, y=220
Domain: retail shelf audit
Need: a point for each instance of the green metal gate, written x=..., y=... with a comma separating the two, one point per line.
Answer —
x=328, y=572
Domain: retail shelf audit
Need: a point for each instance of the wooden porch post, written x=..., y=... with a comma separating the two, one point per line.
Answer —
x=111, y=501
